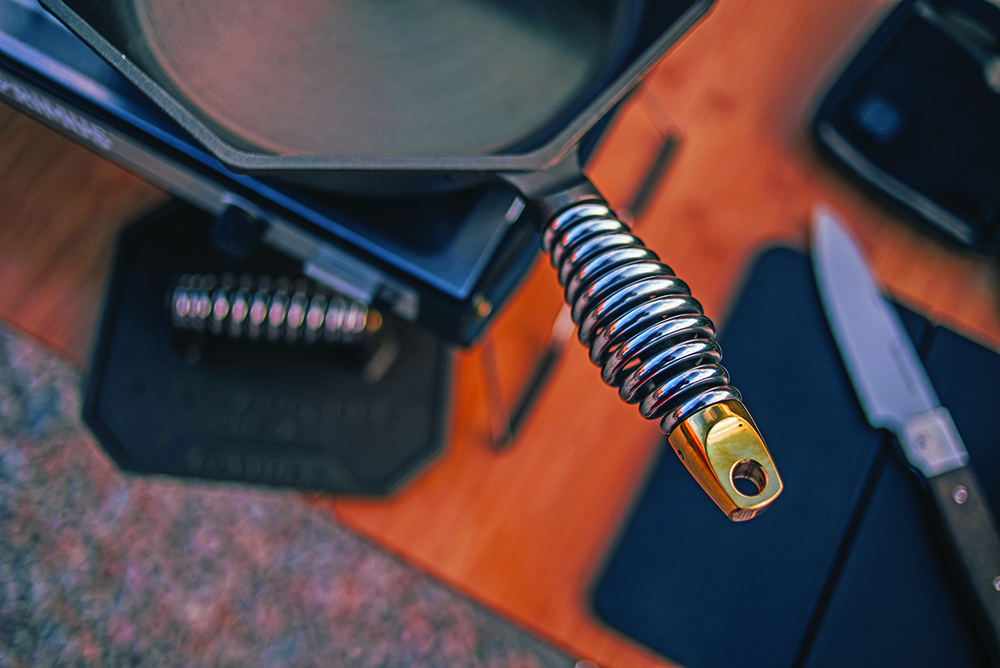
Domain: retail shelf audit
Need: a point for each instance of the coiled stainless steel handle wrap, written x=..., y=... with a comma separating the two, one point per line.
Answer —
x=653, y=342
x=273, y=310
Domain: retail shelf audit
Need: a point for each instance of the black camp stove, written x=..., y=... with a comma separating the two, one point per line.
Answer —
x=436, y=266
x=433, y=261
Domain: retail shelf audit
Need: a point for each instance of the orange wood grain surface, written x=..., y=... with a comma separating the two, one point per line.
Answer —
x=525, y=530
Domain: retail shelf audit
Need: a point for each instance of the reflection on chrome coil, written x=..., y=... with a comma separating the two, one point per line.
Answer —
x=273, y=310
x=648, y=335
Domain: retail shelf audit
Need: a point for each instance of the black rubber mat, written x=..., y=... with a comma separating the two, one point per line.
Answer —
x=844, y=568
x=260, y=412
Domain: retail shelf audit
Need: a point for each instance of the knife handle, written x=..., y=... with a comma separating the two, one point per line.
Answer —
x=970, y=535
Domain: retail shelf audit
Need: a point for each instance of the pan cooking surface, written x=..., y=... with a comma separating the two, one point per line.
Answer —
x=376, y=77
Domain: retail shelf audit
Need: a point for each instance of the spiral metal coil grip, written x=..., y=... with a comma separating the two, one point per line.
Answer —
x=653, y=342
x=273, y=310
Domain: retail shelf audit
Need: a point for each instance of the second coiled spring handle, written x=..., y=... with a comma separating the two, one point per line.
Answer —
x=653, y=342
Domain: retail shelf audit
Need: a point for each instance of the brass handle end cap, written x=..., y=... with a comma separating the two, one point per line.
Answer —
x=724, y=451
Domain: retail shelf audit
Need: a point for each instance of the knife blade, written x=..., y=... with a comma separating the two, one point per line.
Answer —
x=896, y=394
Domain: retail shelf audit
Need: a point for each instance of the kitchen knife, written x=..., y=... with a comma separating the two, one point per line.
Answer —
x=896, y=394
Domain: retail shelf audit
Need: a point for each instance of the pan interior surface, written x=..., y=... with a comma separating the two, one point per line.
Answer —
x=400, y=78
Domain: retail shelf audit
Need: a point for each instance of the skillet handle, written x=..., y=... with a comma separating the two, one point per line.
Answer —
x=651, y=339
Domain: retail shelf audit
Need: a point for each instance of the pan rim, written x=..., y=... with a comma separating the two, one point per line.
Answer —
x=549, y=153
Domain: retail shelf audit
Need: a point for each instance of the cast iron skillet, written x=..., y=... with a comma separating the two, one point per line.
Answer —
x=377, y=96
x=404, y=96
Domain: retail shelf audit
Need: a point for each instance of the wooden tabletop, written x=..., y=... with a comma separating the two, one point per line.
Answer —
x=525, y=530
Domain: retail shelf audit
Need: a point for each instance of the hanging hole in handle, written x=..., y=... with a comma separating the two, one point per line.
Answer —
x=748, y=477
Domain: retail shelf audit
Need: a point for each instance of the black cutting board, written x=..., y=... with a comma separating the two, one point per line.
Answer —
x=843, y=569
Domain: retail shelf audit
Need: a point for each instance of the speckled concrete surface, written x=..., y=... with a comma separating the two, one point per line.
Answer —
x=102, y=569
